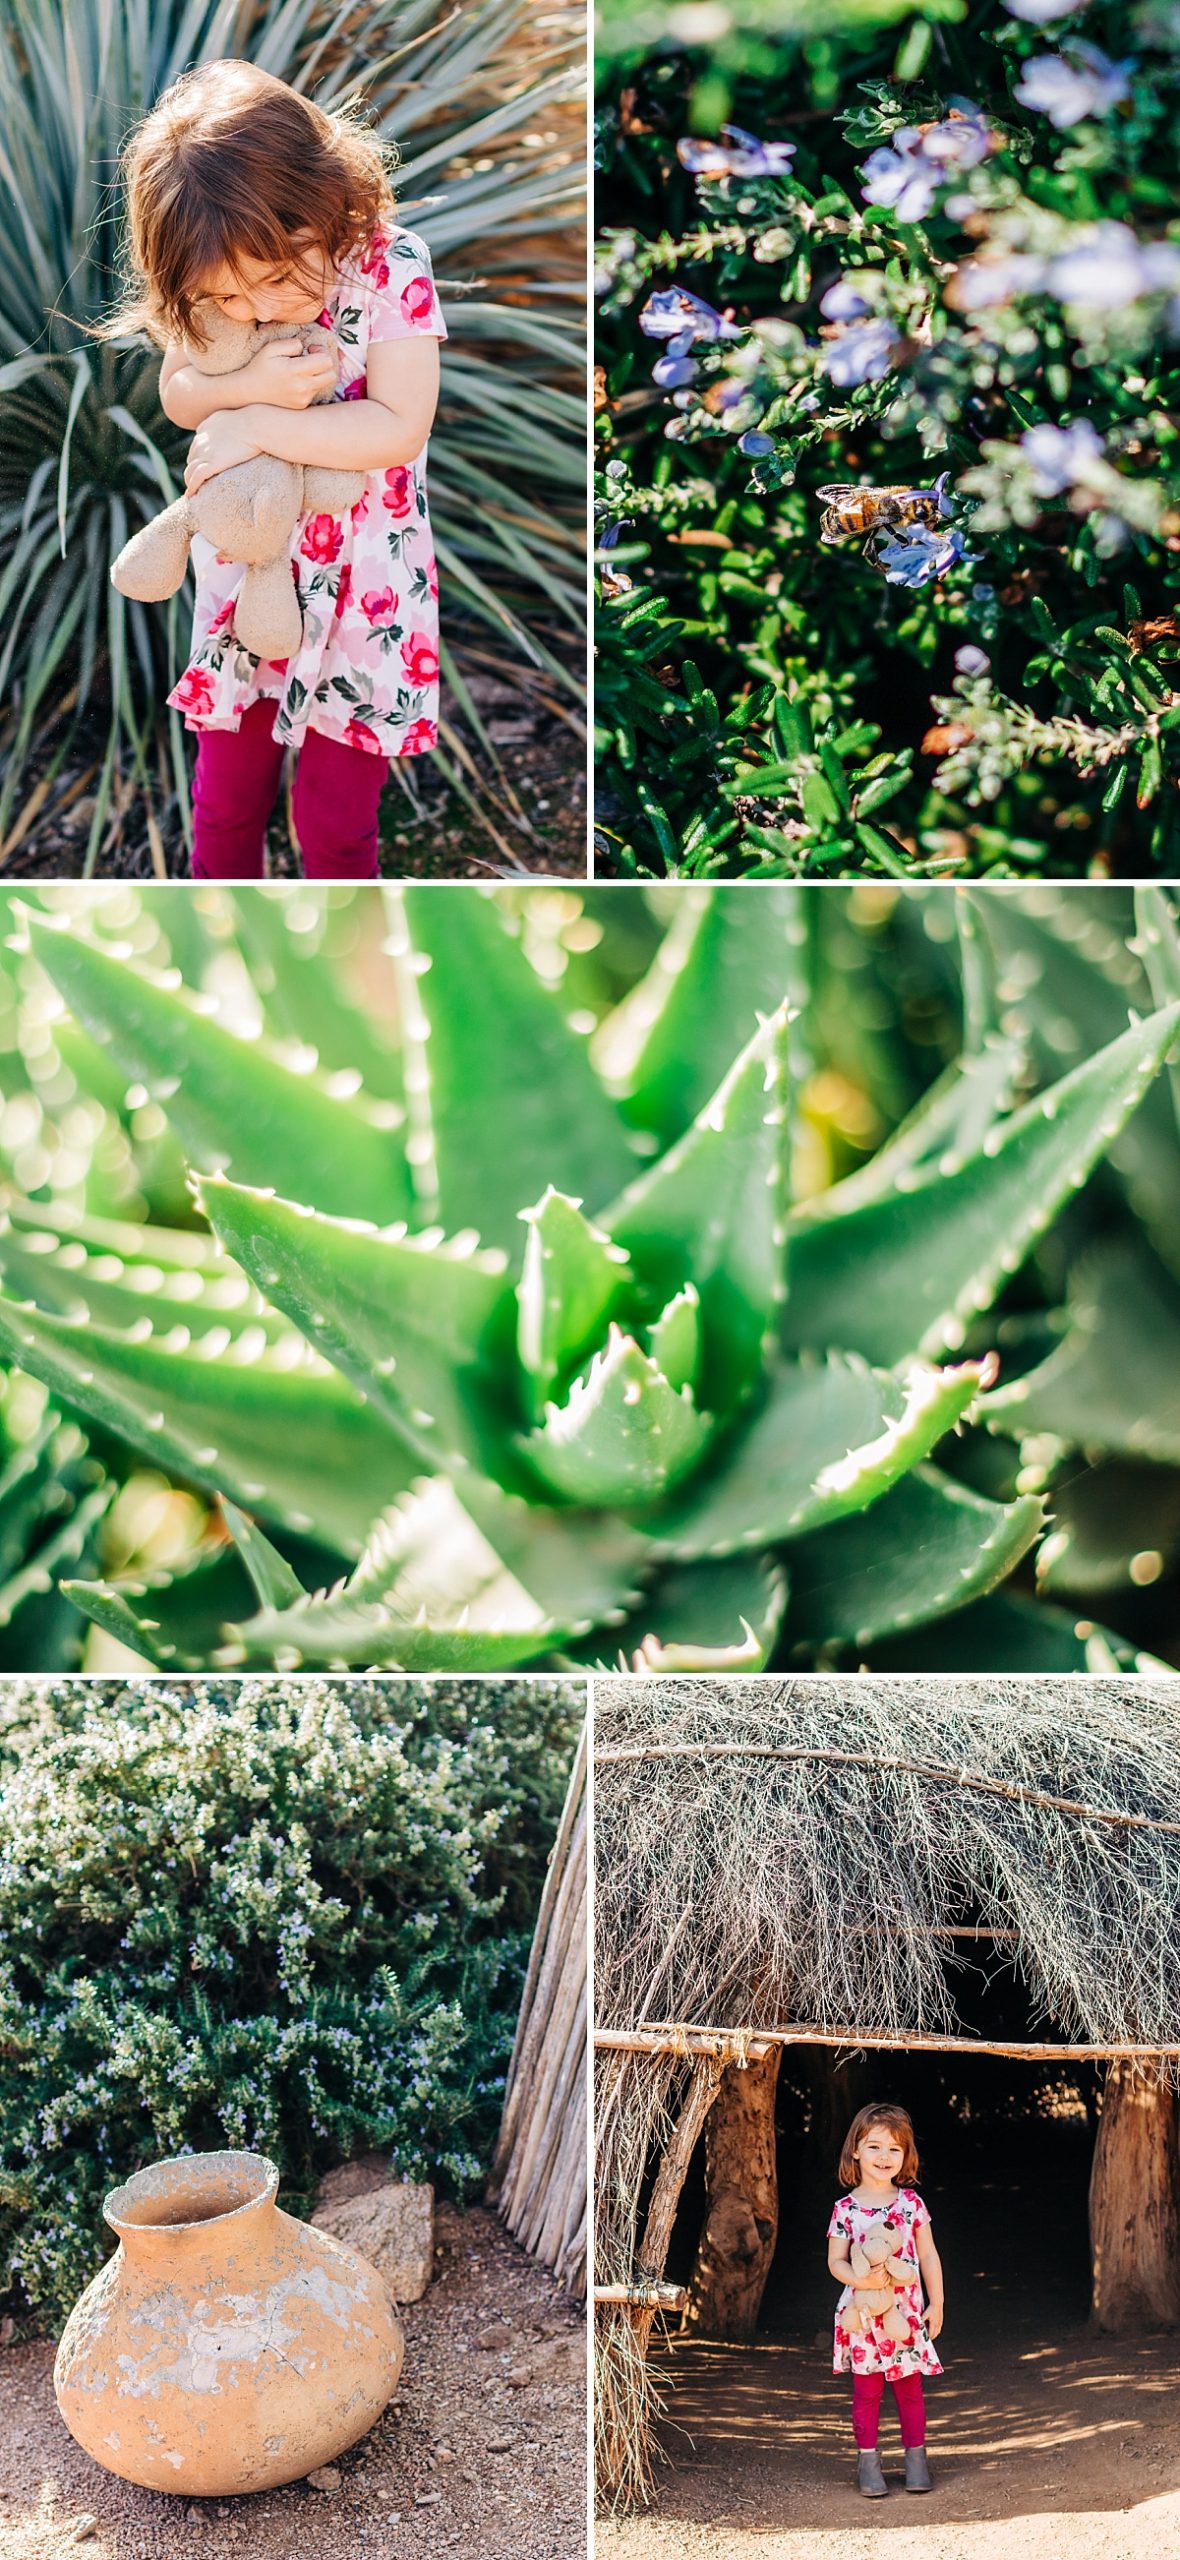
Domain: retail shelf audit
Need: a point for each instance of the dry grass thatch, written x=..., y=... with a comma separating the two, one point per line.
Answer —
x=539, y=2173
x=799, y=1852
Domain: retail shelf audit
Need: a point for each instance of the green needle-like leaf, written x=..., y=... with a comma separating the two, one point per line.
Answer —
x=1113, y=1382
x=909, y=1273
x=235, y=1105
x=411, y=1320
x=574, y=1280
x=623, y=1436
x=711, y=1211
x=502, y=1098
x=833, y=1436
x=724, y=962
x=928, y=1548
x=277, y=1434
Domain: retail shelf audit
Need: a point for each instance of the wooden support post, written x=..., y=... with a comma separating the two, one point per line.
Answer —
x=1135, y=2205
x=741, y=2223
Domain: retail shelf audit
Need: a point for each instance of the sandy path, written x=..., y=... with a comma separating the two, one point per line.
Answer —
x=464, y=2461
x=1068, y=2448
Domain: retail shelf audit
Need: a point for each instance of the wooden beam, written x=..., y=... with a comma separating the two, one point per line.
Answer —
x=752, y=2044
x=648, y=2294
x=613, y=1754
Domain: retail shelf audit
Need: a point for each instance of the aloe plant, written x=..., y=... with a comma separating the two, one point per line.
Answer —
x=491, y=1344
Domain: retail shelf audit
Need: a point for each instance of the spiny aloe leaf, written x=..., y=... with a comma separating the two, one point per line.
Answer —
x=67, y=1280
x=429, y=1594
x=573, y=1282
x=584, y=1569
x=410, y=1320
x=833, y=1437
x=949, y=1124
x=711, y=1211
x=277, y=1435
x=699, y=1617
x=675, y=1338
x=928, y=1548
x=287, y=940
x=501, y=1094
x=623, y=1436
x=234, y=1104
x=1113, y=1383
x=1008, y=1632
x=177, y=1619
x=1158, y=943
x=276, y=1583
x=724, y=962
x=910, y=1272
x=37, y=1622
x=29, y=1486
x=127, y=1239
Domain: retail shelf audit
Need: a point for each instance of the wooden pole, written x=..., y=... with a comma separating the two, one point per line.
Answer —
x=738, y=2238
x=751, y=2044
x=538, y=2175
x=1135, y=2205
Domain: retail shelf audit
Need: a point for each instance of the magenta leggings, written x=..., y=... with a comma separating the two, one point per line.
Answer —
x=868, y=2391
x=235, y=786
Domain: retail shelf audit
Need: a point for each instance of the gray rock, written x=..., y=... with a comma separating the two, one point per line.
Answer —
x=393, y=2227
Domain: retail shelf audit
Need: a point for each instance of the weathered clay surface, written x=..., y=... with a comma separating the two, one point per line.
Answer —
x=225, y=2347
x=393, y=2227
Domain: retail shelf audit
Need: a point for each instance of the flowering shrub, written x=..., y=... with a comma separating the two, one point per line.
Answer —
x=284, y=1917
x=938, y=265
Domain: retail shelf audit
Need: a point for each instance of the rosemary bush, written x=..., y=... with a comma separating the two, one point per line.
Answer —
x=285, y=1917
x=936, y=254
x=86, y=453
x=707, y=1280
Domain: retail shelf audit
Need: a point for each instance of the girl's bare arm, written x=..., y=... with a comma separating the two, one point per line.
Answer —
x=280, y=375
x=390, y=425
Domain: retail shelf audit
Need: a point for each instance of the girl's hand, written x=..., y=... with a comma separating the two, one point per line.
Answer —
x=281, y=376
x=934, y=2321
x=223, y=441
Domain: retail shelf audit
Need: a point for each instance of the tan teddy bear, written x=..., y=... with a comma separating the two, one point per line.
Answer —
x=248, y=513
x=876, y=2251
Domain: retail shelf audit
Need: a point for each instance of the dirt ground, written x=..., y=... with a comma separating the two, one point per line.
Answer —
x=467, y=2459
x=1069, y=2447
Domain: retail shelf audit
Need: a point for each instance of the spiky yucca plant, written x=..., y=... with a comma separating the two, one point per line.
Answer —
x=482, y=104
x=499, y=1350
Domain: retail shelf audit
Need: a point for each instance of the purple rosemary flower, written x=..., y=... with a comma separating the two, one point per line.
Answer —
x=1088, y=84
x=674, y=314
x=861, y=353
x=1108, y=267
x=844, y=300
x=737, y=155
x=1039, y=13
x=1058, y=457
x=908, y=175
x=911, y=558
x=970, y=661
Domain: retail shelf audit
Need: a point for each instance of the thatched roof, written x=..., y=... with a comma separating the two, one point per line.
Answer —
x=795, y=1849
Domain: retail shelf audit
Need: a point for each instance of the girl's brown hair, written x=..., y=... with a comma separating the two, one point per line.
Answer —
x=896, y=2122
x=231, y=163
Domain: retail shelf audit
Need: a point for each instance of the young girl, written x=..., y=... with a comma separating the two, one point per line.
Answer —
x=245, y=194
x=879, y=2154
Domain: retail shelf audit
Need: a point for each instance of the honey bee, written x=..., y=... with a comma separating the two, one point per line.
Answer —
x=850, y=510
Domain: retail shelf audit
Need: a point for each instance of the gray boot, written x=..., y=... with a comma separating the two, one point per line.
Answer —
x=917, y=2469
x=870, y=2479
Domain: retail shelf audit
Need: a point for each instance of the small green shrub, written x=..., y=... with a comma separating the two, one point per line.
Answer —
x=291, y=1917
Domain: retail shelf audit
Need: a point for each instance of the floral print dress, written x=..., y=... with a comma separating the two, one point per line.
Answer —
x=367, y=670
x=870, y=2350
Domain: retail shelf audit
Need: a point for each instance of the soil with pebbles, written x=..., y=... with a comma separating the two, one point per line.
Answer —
x=482, y=2452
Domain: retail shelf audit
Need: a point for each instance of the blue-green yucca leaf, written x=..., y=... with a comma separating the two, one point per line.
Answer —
x=622, y=1436
x=712, y=1212
x=723, y=964
x=419, y=1324
x=502, y=1098
x=288, y=1437
x=910, y=1272
x=235, y=1105
x=574, y=1280
x=928, y=1548
x=832, y=1437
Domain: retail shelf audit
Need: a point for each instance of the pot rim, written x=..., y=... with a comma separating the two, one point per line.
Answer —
x=146, y=2183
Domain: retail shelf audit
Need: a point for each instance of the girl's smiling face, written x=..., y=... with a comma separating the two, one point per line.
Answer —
x=879, y=2157
x=254, y=290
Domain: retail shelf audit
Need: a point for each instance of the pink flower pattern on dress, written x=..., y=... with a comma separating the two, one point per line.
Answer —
x=870, y=2350
x=360, y=674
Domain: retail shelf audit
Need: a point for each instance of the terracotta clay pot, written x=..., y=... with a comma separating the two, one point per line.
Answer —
x=225, y=2346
